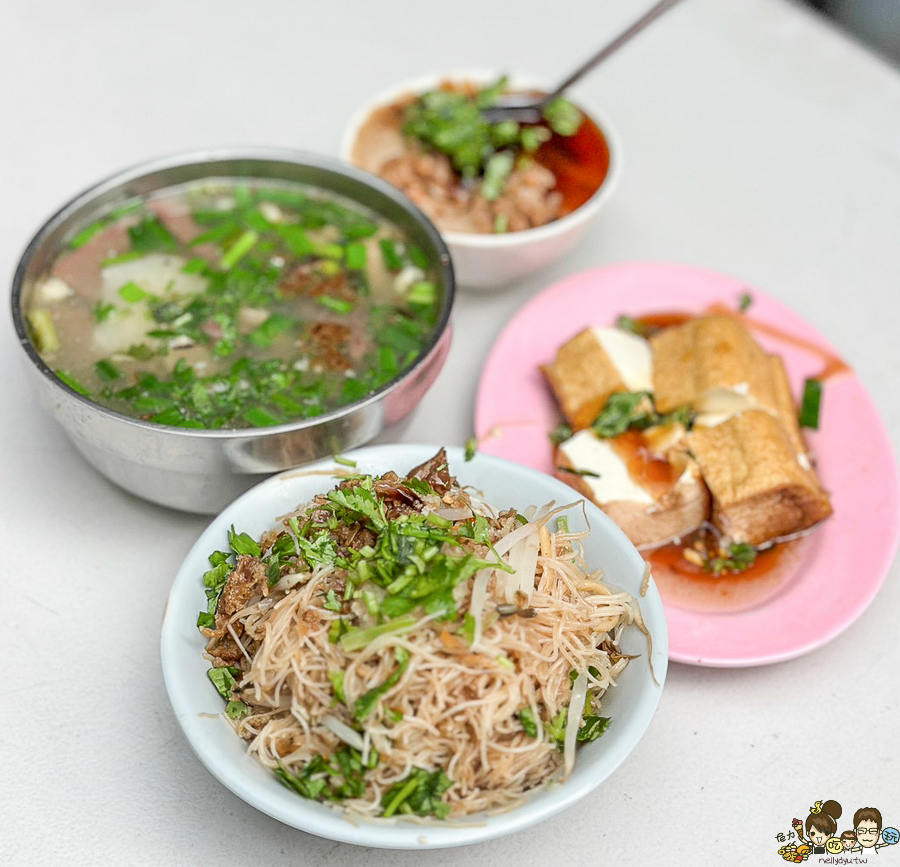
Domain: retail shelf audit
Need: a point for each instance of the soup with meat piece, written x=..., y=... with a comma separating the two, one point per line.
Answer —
x=233, y=304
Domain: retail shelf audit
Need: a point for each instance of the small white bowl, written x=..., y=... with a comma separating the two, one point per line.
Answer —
x=198, y=707
x=493, y=261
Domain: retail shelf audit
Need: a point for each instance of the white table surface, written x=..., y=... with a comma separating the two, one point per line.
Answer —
x=759, y=142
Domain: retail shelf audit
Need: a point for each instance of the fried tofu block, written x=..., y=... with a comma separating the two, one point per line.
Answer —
x=594, y=364
x=654, y=500
x=712, y=364
x=761, y=490
x=785, y=408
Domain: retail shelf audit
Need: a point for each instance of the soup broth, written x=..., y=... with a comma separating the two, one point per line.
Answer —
x=233, y=304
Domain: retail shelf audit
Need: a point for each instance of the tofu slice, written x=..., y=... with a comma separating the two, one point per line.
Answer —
x=714, y=365
x=760, y=486
x=654, y=499
x=786, y=409
x=594, y=364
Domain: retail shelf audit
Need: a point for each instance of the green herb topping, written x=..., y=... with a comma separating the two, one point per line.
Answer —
x=277, y=308
x=451, y=122
x=811, y=403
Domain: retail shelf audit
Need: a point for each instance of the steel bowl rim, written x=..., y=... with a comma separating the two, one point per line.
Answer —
x=301, y=158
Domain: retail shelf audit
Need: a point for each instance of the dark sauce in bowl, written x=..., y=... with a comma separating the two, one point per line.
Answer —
x=580, y=163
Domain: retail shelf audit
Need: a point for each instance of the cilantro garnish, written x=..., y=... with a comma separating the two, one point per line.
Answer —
x=526, y=717
x=738, y=557
x=451, y=122
x=635, y=326
x=266, y=373
x=622, y=411
x=331, y=778
x=367, y=702
x=419, y=793
x=634, y=410
x=224, y=680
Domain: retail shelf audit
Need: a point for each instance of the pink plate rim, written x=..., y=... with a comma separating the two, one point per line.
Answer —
x=845, y=561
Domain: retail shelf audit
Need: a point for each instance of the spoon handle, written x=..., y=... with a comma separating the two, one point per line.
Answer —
x=647, y=18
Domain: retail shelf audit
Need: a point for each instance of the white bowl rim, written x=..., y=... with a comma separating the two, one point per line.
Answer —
x=197, y=710
x=477, y=240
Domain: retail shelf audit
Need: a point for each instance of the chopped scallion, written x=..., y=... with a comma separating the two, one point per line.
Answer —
x=132, y=293
x=240, y=248
x=811, y=403
x=337, y=305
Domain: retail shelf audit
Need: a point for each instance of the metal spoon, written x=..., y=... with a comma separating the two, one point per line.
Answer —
x=528, y=109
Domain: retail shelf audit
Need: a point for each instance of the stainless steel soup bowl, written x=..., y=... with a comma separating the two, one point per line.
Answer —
x=204, y=470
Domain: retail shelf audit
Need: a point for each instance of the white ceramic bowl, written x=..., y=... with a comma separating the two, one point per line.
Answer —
x=198, y=707
x=483, y=261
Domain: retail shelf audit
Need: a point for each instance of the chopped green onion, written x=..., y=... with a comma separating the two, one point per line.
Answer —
x=296, y=239
x=422, y=292
x=419, y=793
x=43, y=331
x=338, y=305
x=240, y=248
x=270, y=330
x=577, y=472
x=419, y=258
x=811, y=403
x=102, y=311
x=356, y=256
x=196, y=265
x=498, y=168
x=98, y=226
x=564, y=118
x=125, y=257
x=107, y=370
x=150, y=235
x=529, y=723
x=505, y=662
x=132, y=293
x=73, y=383
x=356, y=638
x=392, y=259
x=328, y=251
x=740, y=556
x=593, y=728
x=257, y=417
x=635, y=326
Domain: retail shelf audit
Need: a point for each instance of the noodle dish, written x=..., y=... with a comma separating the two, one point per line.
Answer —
x=404, y=648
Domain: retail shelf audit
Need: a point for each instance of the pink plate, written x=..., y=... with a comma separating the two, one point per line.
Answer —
x=838, y=568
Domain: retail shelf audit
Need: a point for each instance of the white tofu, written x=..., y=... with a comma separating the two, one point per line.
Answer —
x=586, y=451
x=630, y=355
